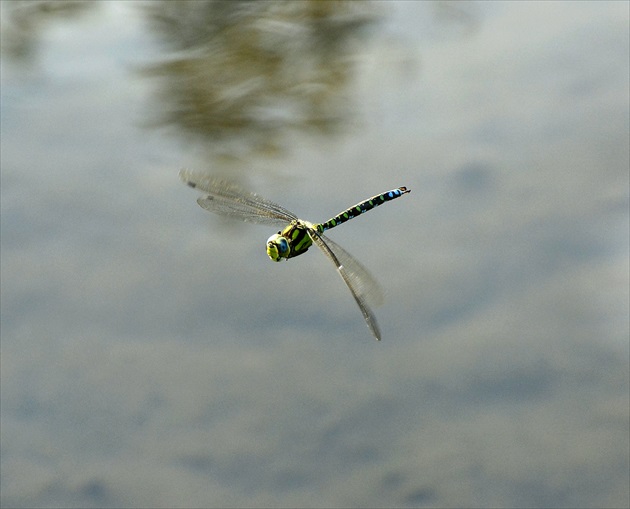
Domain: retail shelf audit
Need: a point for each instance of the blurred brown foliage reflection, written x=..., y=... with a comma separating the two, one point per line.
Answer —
x=237, y=77
x=24, y=20
x=241, y=75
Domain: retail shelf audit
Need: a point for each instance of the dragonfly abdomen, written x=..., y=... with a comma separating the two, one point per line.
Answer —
x=362, y=207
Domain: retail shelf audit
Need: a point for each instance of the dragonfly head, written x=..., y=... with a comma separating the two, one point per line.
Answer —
x=277, y=247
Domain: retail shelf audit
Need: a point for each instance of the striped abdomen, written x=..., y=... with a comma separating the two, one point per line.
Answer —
x=362, y=207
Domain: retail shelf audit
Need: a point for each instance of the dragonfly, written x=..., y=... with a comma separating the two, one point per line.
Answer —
x=297, y=235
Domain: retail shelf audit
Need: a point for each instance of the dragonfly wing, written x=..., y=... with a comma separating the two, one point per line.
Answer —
x=362, y=281
x=358, y=279
x=228, y=199
x=241, y=211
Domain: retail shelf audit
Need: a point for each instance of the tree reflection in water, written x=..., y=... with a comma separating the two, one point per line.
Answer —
x=238, y=77
x=242, y=75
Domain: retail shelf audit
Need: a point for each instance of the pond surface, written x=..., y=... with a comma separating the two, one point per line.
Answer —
x=152, y=354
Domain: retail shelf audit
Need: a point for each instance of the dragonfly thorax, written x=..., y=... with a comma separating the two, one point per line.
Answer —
x=292, y=241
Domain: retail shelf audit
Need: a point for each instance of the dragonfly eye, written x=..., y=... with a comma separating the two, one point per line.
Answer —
x=277, y=247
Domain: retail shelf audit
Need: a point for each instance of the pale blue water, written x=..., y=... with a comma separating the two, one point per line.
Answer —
x=153, y=356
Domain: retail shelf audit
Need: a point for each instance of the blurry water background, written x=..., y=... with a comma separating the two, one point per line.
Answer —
x=152, y=355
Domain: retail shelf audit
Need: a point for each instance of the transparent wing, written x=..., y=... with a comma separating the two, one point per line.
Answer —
x=361, y=283
x=230, y=200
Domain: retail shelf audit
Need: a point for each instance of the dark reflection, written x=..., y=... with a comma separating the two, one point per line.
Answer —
x=242, y=75
x=24, y=21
